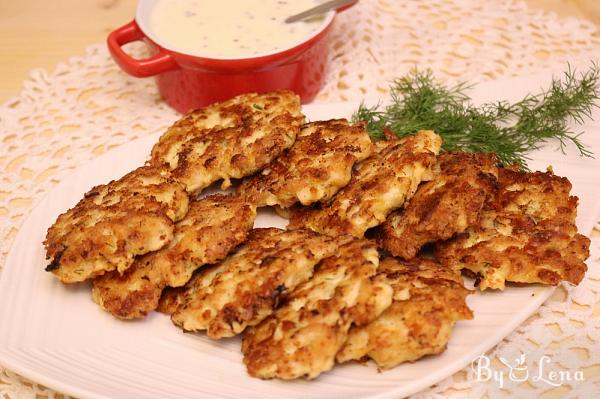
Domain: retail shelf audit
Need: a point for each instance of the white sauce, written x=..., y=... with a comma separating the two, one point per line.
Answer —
x=230, y=28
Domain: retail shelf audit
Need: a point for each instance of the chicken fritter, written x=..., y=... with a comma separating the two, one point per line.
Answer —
x=527, y=234
x=232, y=139
x=170, y=299
x=428, y=299
x=379, y=184
x=212, y=228
x=443, y=207
x=314, y=169
x=247, y=286
x=114, y=223
x=303, y=336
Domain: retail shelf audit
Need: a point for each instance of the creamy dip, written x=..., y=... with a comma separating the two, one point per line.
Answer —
x=230, y=28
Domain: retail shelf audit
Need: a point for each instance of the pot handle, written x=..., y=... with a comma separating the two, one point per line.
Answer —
x=347, y=6
x=131, y=32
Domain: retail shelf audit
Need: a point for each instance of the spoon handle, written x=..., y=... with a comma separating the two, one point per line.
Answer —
x=321, y=8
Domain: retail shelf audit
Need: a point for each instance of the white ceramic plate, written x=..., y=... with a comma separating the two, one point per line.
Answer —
x=56, y=335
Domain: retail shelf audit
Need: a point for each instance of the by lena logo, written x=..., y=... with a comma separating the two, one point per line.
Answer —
x=518, y=371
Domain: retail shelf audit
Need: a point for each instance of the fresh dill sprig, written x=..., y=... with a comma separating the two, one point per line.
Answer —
x=508, y=130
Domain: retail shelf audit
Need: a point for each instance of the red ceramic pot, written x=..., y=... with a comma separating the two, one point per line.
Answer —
x=187, y=82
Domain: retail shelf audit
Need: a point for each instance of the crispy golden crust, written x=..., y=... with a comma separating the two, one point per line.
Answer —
x=443, y=207
x=170, y=299
x=428, y=300
x=114, y=223
x=213, y=227
x=227, y=140
x=526, y=235
x=133, y=294
x=314, y=169
x=303, y=336
x=380, y=184
x=246, y=287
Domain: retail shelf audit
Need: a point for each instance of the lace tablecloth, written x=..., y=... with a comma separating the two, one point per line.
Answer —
x=88, y=106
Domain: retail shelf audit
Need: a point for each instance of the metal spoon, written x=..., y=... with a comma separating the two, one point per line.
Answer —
x=320, y=9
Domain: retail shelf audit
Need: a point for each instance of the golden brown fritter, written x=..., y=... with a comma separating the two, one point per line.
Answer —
x=170, y=299
x=232, y=139
x=247, y=286
x=526, y=235
x=379, y=184
x=443, y=207
x=213, y=227
x=303, y=336
x=428, y=300
x=114, y=223
x=314, y=169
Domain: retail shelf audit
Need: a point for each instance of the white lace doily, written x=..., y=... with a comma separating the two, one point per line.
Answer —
x=88, y=106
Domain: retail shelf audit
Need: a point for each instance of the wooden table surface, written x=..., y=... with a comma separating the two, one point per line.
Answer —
x=41, y=33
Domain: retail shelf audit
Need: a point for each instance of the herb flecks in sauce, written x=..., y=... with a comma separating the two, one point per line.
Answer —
x=230, y=28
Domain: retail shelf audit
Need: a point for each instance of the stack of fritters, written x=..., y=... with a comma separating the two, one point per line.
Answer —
x=115, y=222
x=246, y=287
x=428, y=299
x=213, y=226
x=527, y=234
x=379, y=184
x=314, y=169
x=304, y=334
x=316, y=293
x=443, y=207
x=135, y=215
x=227, y=140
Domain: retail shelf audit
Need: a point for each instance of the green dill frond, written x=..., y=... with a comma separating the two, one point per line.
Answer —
x=508, y=130
x=376, y=120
